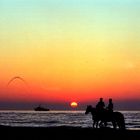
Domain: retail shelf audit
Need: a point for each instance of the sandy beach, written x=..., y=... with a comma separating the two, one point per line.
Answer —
x=64, y=132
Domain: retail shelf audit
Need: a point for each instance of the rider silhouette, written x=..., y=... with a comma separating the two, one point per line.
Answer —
x=100, y=110
x=100, y=105
x=110, y=106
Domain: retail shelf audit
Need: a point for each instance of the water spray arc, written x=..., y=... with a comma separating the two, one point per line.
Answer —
x=17, y=77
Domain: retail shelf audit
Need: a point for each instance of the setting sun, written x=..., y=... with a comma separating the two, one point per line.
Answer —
x=74, y=104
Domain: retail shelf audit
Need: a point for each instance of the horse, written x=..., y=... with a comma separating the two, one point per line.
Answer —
x=105, y=116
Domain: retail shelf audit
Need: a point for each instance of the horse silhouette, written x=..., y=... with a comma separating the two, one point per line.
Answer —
x=105, y=116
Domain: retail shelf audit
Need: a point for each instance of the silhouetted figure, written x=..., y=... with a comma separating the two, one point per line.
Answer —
x=100, y=108
x=116, y=118
x=110, y=105
x=100, y=105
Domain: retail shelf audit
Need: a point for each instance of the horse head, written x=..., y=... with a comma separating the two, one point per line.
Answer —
x=88, y=109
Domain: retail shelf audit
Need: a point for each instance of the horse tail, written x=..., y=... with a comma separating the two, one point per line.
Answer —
x=121, y=121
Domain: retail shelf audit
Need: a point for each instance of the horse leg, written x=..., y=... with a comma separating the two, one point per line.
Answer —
x=101, y=124
x=121, y=125
x=96, y=124
x=105, y=124
x=93, y=125
x=114, y=124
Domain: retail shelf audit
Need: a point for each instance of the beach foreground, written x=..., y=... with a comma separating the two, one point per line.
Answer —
x=65, y=132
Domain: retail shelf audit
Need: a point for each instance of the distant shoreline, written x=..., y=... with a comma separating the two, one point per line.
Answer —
x=53, y=110
x=64, y=132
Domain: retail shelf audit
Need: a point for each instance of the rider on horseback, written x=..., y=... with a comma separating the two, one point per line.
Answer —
x=100, y=105
x=110, y=106
x=101, y=110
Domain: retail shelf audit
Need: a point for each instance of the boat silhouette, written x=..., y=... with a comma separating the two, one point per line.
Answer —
x=39, y=108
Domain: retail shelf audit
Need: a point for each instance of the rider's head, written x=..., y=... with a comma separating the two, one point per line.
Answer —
x=110, y=100
x=101, y=99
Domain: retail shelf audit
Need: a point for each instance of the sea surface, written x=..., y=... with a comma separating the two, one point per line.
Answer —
x=60, y=118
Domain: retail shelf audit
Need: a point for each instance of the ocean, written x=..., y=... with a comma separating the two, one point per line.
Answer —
x=60, y=118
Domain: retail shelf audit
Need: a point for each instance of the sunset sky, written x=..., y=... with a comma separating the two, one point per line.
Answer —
x=69, y=50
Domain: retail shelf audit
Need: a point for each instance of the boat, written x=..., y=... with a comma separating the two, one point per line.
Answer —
x=39, y=108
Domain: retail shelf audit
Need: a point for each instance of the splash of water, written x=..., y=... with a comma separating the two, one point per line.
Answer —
x=17, y=77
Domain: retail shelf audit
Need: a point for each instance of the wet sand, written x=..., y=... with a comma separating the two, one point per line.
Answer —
x=65, y=132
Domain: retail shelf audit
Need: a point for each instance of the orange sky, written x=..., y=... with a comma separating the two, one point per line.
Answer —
x=69, y=50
